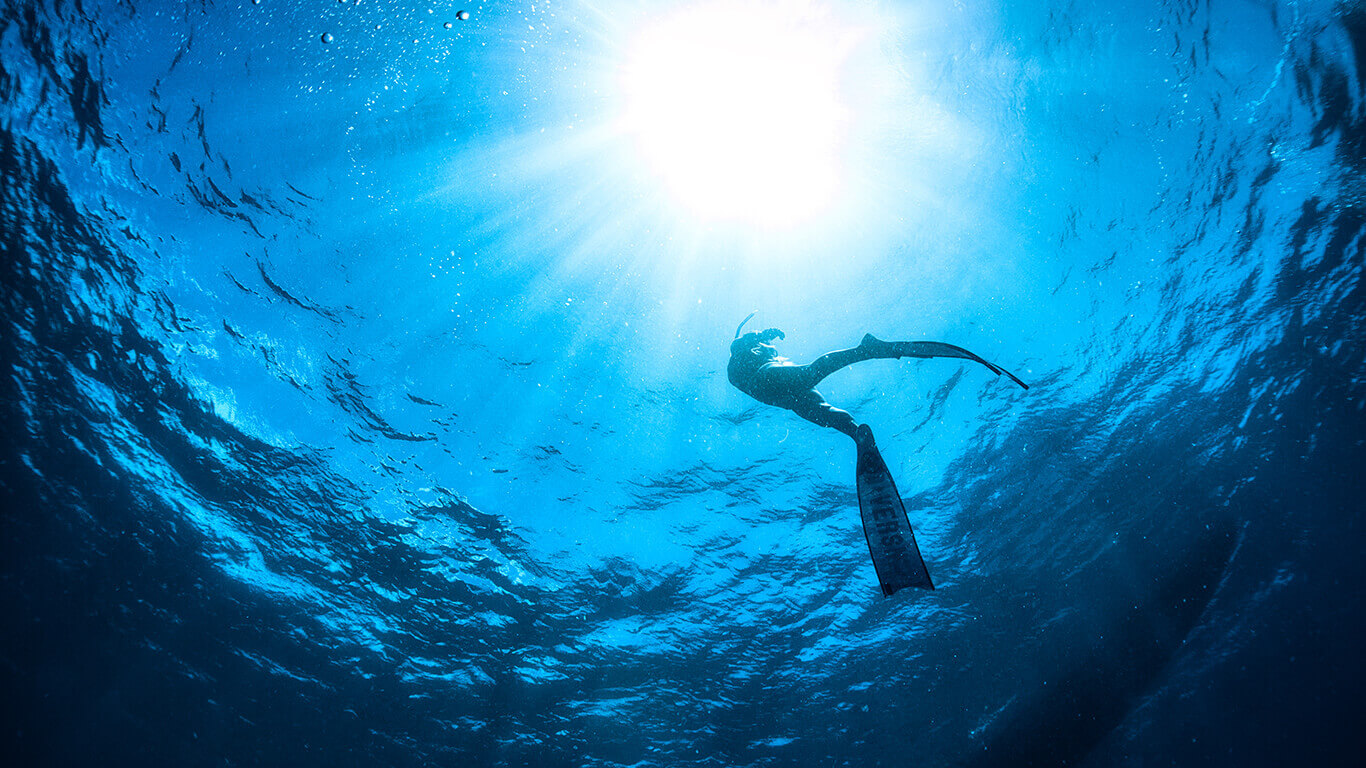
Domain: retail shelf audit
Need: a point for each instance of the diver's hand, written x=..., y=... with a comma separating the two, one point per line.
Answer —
x=771, y=334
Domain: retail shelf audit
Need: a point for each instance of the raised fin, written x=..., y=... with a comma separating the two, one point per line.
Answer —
x=940, y=349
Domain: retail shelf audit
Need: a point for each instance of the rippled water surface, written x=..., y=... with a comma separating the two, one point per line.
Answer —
x=364, y=395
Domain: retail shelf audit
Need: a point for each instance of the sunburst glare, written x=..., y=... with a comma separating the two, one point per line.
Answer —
x=737, y=107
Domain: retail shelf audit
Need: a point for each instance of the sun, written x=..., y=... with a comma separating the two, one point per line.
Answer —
x=736, y=107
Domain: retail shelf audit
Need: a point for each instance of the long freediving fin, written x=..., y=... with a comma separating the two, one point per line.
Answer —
x=940, y=349
x=896, y=557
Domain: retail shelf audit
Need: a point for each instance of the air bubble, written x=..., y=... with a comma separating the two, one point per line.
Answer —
x=448, y=25
x=462, y=15
x=327, y=37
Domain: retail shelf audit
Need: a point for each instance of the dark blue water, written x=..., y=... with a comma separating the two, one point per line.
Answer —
x=364, y=400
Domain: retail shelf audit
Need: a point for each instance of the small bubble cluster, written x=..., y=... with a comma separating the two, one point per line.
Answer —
x=327, y=37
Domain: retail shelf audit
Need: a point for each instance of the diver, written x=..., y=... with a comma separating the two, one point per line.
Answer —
x=758, y=370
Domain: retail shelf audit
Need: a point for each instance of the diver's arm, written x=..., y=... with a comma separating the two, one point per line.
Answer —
x=771, y=334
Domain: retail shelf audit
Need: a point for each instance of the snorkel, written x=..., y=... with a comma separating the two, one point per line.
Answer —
x=738, y=346
x=741, y=327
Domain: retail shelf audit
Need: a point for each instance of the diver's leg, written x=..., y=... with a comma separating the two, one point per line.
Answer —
x=873, y=348
x=816, y=370
x=809, y=375
x=813, y=408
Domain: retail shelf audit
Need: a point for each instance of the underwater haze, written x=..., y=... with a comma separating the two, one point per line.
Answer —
x=364, y=394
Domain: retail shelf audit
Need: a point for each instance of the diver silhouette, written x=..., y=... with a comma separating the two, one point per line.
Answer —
x=758, y=370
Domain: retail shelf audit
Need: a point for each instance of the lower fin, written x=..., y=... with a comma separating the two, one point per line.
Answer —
x=896, y=557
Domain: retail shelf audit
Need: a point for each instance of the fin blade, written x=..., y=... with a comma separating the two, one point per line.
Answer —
x=940, y=349
x=891, y=542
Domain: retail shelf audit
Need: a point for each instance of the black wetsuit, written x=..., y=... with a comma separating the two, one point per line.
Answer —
x=758, y=370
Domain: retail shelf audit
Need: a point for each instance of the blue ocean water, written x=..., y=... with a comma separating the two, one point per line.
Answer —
x=365, y=398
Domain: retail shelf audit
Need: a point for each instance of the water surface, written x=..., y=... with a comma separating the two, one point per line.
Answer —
x=364, y=400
